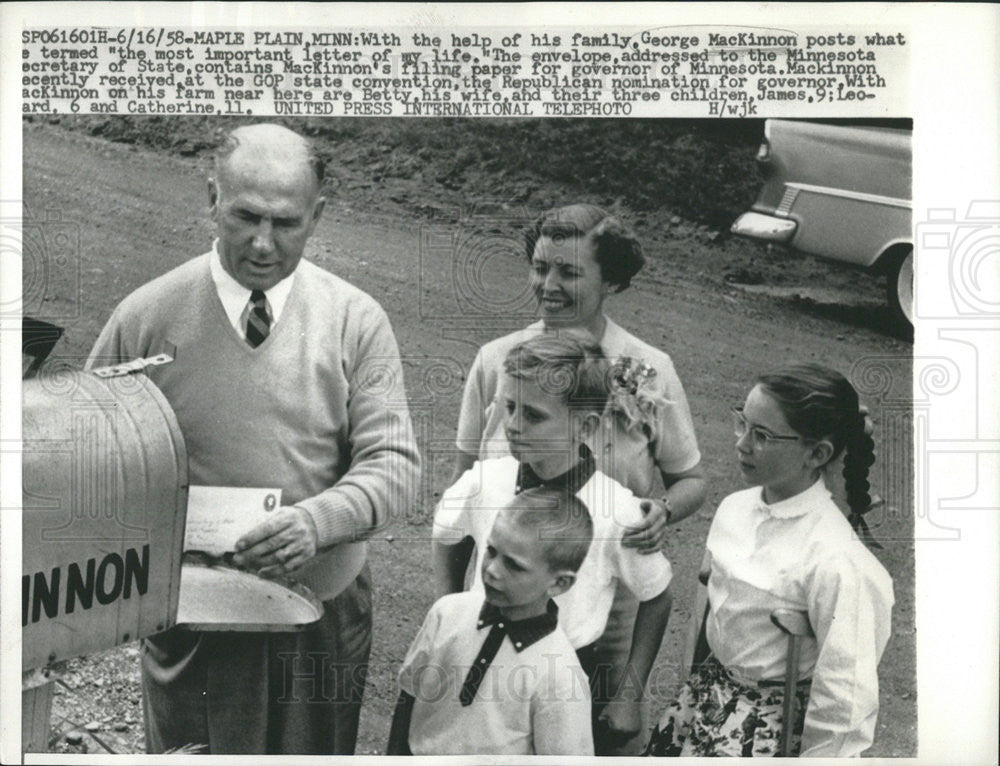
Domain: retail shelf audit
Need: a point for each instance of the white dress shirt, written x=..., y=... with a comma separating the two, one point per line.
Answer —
x=801, y=553
x=236, y=298
x=531, y=701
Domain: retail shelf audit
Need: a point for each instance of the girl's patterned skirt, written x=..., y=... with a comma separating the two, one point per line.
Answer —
x=715, y=715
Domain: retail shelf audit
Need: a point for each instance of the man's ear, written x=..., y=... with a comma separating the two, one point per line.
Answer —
x=587, y=424
x=821, y=453
x=318, y=209
x=213, y=198
x=562, y=581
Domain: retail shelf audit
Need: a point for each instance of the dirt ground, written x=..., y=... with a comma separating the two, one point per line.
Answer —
x=707, y=299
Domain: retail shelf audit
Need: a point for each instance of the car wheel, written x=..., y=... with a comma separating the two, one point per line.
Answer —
x=899, y=291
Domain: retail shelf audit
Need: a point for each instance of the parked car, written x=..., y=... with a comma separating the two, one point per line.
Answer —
x=840, y=192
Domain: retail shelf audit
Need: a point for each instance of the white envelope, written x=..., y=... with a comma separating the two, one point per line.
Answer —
x=218, y=516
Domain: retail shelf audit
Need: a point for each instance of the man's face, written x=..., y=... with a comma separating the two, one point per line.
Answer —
x=265, y=213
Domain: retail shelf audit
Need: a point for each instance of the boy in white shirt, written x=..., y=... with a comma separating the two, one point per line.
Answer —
x=494, y=673
x=553, y=392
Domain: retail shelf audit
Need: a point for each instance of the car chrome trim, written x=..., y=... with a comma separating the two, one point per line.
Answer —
x=784, y=208
x=765, y=227
x=876, y=199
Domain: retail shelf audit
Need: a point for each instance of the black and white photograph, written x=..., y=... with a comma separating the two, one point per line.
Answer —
x=514, y=433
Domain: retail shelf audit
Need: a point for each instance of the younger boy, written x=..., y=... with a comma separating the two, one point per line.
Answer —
x=495, y=674
x=553, y=392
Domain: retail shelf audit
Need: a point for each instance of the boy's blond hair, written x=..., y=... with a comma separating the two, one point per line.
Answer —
x=559, y=520
x=567, y=364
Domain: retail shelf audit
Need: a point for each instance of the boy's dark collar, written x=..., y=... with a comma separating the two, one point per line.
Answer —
x=522, y=633
x=572, y=480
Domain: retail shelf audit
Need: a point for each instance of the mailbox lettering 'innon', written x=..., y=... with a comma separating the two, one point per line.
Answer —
x=111, y=579
x=104, y=473
x=78, y=589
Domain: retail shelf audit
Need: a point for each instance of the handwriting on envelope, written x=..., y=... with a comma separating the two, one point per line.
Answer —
x=218, y=516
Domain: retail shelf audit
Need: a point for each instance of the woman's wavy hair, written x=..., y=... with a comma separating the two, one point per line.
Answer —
x=819, y=403
x=616, y=247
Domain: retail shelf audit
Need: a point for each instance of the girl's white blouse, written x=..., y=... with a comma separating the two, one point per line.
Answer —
x=801, y=553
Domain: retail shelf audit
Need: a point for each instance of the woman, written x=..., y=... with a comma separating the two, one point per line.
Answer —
x=579, y=255
x=784, y=543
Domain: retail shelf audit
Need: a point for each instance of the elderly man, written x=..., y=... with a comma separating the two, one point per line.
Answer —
x=284, y=376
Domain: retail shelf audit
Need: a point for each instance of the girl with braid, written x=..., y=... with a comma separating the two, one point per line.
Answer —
x=784, y=543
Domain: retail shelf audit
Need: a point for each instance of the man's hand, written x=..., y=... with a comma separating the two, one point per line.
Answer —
x=649, y=535
x=281, y=544
x=623, y=719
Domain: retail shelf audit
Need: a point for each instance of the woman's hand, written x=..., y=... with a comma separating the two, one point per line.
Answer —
x=650, y=534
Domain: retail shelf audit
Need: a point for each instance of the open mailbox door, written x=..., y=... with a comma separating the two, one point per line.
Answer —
x=37, y=339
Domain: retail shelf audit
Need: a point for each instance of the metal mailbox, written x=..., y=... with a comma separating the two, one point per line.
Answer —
x=105, y=499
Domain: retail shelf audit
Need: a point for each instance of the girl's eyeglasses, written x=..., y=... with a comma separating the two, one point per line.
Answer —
x=760, y=437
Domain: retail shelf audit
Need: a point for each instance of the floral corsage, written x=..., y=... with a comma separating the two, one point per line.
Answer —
x=632, y=399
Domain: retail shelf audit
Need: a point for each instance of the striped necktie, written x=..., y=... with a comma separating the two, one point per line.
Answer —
x=258, y=322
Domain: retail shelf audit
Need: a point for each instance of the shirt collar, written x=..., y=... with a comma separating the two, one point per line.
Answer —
x=797, y=505
x=572, y=480
x=235, y=296
x=614, y=336
x=522, y=633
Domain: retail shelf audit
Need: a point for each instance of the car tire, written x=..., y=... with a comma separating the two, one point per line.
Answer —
x=899, y=291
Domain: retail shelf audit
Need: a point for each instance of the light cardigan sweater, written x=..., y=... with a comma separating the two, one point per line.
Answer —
x=318, y=409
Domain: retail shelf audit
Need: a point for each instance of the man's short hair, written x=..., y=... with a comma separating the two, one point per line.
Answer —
x=566, y=363
x=230, y=142
x=559, y=521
